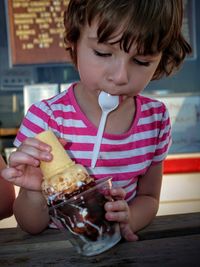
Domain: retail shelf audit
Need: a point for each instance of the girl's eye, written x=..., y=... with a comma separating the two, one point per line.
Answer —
x=100, y=54
x=142, y=63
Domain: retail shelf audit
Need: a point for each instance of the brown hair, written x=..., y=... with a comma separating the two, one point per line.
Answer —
x=154, y=25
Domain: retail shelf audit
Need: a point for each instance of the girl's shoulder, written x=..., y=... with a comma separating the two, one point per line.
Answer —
x=56, y=102
x=149, y=103
x=63, y=97
x=148, y=99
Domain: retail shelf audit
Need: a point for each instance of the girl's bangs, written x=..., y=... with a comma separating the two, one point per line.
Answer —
x=150, y=30
x=145, y=38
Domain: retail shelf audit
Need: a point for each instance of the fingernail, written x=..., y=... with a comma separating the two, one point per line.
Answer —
x=48, y=148
x=109, y=206
x=47, y=156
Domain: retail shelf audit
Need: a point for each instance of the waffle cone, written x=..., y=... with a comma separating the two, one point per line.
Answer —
x=60, y=160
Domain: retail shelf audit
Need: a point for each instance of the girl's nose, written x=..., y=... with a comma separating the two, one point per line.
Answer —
x=119, y=73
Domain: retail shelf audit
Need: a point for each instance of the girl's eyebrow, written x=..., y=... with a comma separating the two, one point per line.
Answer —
x=150, y=58
x=96, y=41
x=147, y=57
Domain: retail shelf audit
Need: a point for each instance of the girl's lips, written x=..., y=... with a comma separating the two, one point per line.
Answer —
x=120, y=99
x=121, y=96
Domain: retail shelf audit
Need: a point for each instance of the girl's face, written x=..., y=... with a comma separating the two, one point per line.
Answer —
x=104, y=66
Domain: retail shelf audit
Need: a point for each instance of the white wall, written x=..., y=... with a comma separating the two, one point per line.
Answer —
x=10, y=222
x=180, y=193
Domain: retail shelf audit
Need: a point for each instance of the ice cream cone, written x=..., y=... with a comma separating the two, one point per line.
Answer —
x=60, y=160
x=61, y=176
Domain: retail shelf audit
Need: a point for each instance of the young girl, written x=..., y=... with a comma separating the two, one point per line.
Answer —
x=118, y=47
x=7, y=194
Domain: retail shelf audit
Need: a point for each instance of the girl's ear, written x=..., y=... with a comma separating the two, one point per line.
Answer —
x=70, y=53
x=71, y=47
x=74, y=53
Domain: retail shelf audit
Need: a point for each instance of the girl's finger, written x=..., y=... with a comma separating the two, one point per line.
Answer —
x=127, y=233
x=18, y=157
x=8, y=173
x=118, y=193
x=118, y=205
x=121, y=217
x=36, y=143
x=36, y=153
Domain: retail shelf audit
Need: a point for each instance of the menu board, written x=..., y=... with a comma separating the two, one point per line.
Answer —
x=36, y=31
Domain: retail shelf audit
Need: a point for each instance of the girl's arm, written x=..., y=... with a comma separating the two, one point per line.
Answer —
x=30, y=207
x=7, y=195
x=142, y=209
x=31, y=211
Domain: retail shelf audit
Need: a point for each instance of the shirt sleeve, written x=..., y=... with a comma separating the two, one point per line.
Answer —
x=164, y=139
x=37, y=119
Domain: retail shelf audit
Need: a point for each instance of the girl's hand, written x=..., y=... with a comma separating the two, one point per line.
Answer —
x=23, y=169
x=119, y=211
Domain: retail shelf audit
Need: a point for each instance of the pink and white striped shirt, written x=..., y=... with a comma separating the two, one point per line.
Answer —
x=125, y=157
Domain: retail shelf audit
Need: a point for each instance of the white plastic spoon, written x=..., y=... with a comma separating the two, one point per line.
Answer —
x=107, y=103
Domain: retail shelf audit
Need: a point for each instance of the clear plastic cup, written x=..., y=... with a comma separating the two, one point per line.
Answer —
x=82, y=219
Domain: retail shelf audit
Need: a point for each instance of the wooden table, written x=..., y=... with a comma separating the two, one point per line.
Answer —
x=172, y=240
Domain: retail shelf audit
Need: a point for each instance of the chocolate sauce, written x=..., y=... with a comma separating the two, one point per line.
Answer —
x=85, y=214
x=57, y=198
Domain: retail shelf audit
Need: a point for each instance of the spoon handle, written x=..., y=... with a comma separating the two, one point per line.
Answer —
x=98, y=138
